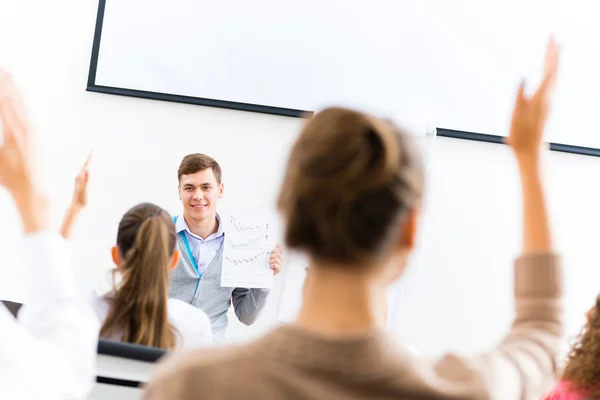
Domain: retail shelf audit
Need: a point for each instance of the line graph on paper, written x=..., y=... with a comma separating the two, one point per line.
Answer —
x=250, y=259
x=242, y=227
x=248, y=245
x=251, y=241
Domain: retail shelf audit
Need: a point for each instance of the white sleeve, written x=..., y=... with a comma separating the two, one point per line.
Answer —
x=192, y=323
x=198, y=333
x=208, y=333
x=55, y=338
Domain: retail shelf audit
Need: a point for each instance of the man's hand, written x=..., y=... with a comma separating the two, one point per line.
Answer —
x=276, y=260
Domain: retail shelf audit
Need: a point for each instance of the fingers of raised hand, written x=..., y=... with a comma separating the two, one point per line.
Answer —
x=86, y=165
x=15, y=123
x=551, y=63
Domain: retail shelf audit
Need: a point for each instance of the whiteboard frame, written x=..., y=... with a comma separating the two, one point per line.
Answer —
x=200, y=101
x=282, y=111
x=482, y=137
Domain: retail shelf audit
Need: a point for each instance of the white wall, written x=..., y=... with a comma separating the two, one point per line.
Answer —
x=461, y=296
x=472, y=219
x=138, y=144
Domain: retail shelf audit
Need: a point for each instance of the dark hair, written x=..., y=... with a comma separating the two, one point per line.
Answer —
x=146, y=241
x=583, y=366
x=351, y=181
x=197, y=162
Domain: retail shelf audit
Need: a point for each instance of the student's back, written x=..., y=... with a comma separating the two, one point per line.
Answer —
x=138, y=309
x=192, y=324
x=350, y=200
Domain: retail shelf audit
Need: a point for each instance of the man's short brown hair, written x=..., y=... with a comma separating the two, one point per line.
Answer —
x=197, y=162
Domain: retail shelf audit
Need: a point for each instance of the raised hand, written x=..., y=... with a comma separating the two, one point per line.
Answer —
x=531, y=113
x=80, y=194
x=527, y=128
x=18, y=171
x=79, y=201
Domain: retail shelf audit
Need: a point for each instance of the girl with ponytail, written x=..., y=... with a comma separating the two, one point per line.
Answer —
x=138, y=310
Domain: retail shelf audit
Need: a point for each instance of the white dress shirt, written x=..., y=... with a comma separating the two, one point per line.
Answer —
x=49, y=352
x=192, y=323
x=203, y=250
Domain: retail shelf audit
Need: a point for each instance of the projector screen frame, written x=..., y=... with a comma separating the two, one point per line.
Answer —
x=281, y=111
x=200, y=101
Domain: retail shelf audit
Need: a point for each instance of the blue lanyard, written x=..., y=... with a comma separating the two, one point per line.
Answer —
x=189, y=250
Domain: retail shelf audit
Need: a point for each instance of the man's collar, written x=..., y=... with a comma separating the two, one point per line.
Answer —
x=221, y=229
x=181, y=225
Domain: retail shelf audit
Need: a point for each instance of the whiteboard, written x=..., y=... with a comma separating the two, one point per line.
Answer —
x=453, y=64
x=297, y=264
x=266, y=55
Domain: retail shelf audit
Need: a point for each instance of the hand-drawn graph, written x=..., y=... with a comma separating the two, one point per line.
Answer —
x=250, y=242
x=248, y=227
x=248, y=259
x=247, y=250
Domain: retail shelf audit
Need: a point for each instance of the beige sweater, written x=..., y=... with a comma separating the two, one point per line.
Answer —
x=290, y=363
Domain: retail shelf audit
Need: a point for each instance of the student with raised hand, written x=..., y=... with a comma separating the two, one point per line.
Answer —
x=350, y=201
x=580, y=379
x=49, y=352
x=138, y=309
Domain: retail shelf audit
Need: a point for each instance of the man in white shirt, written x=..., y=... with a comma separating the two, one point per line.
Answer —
x=200, y=236
x=49, y=351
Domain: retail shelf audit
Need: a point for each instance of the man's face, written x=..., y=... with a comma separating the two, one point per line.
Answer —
x=199, y=194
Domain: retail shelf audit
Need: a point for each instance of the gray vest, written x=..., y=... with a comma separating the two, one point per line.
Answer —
x=207, y=294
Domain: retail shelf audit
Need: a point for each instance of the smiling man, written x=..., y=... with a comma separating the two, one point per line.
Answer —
x=200, y=234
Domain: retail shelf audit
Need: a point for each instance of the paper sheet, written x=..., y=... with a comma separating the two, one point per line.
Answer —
x=248, y=245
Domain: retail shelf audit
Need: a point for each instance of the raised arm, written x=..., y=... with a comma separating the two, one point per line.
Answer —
x=49, y=352
x=524, y=365
x=79, y=201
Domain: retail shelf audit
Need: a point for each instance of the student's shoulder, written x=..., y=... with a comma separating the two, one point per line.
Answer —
x=100, y=304
x=184, y=374
x=182, y=309
x=208, y=358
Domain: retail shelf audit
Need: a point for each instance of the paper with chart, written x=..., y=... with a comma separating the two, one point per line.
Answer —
x=248, y=245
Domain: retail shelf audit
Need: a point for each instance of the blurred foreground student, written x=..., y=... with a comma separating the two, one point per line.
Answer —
x=350, y=201
x=50, y=351
x=580, y=379
x=138, y=309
